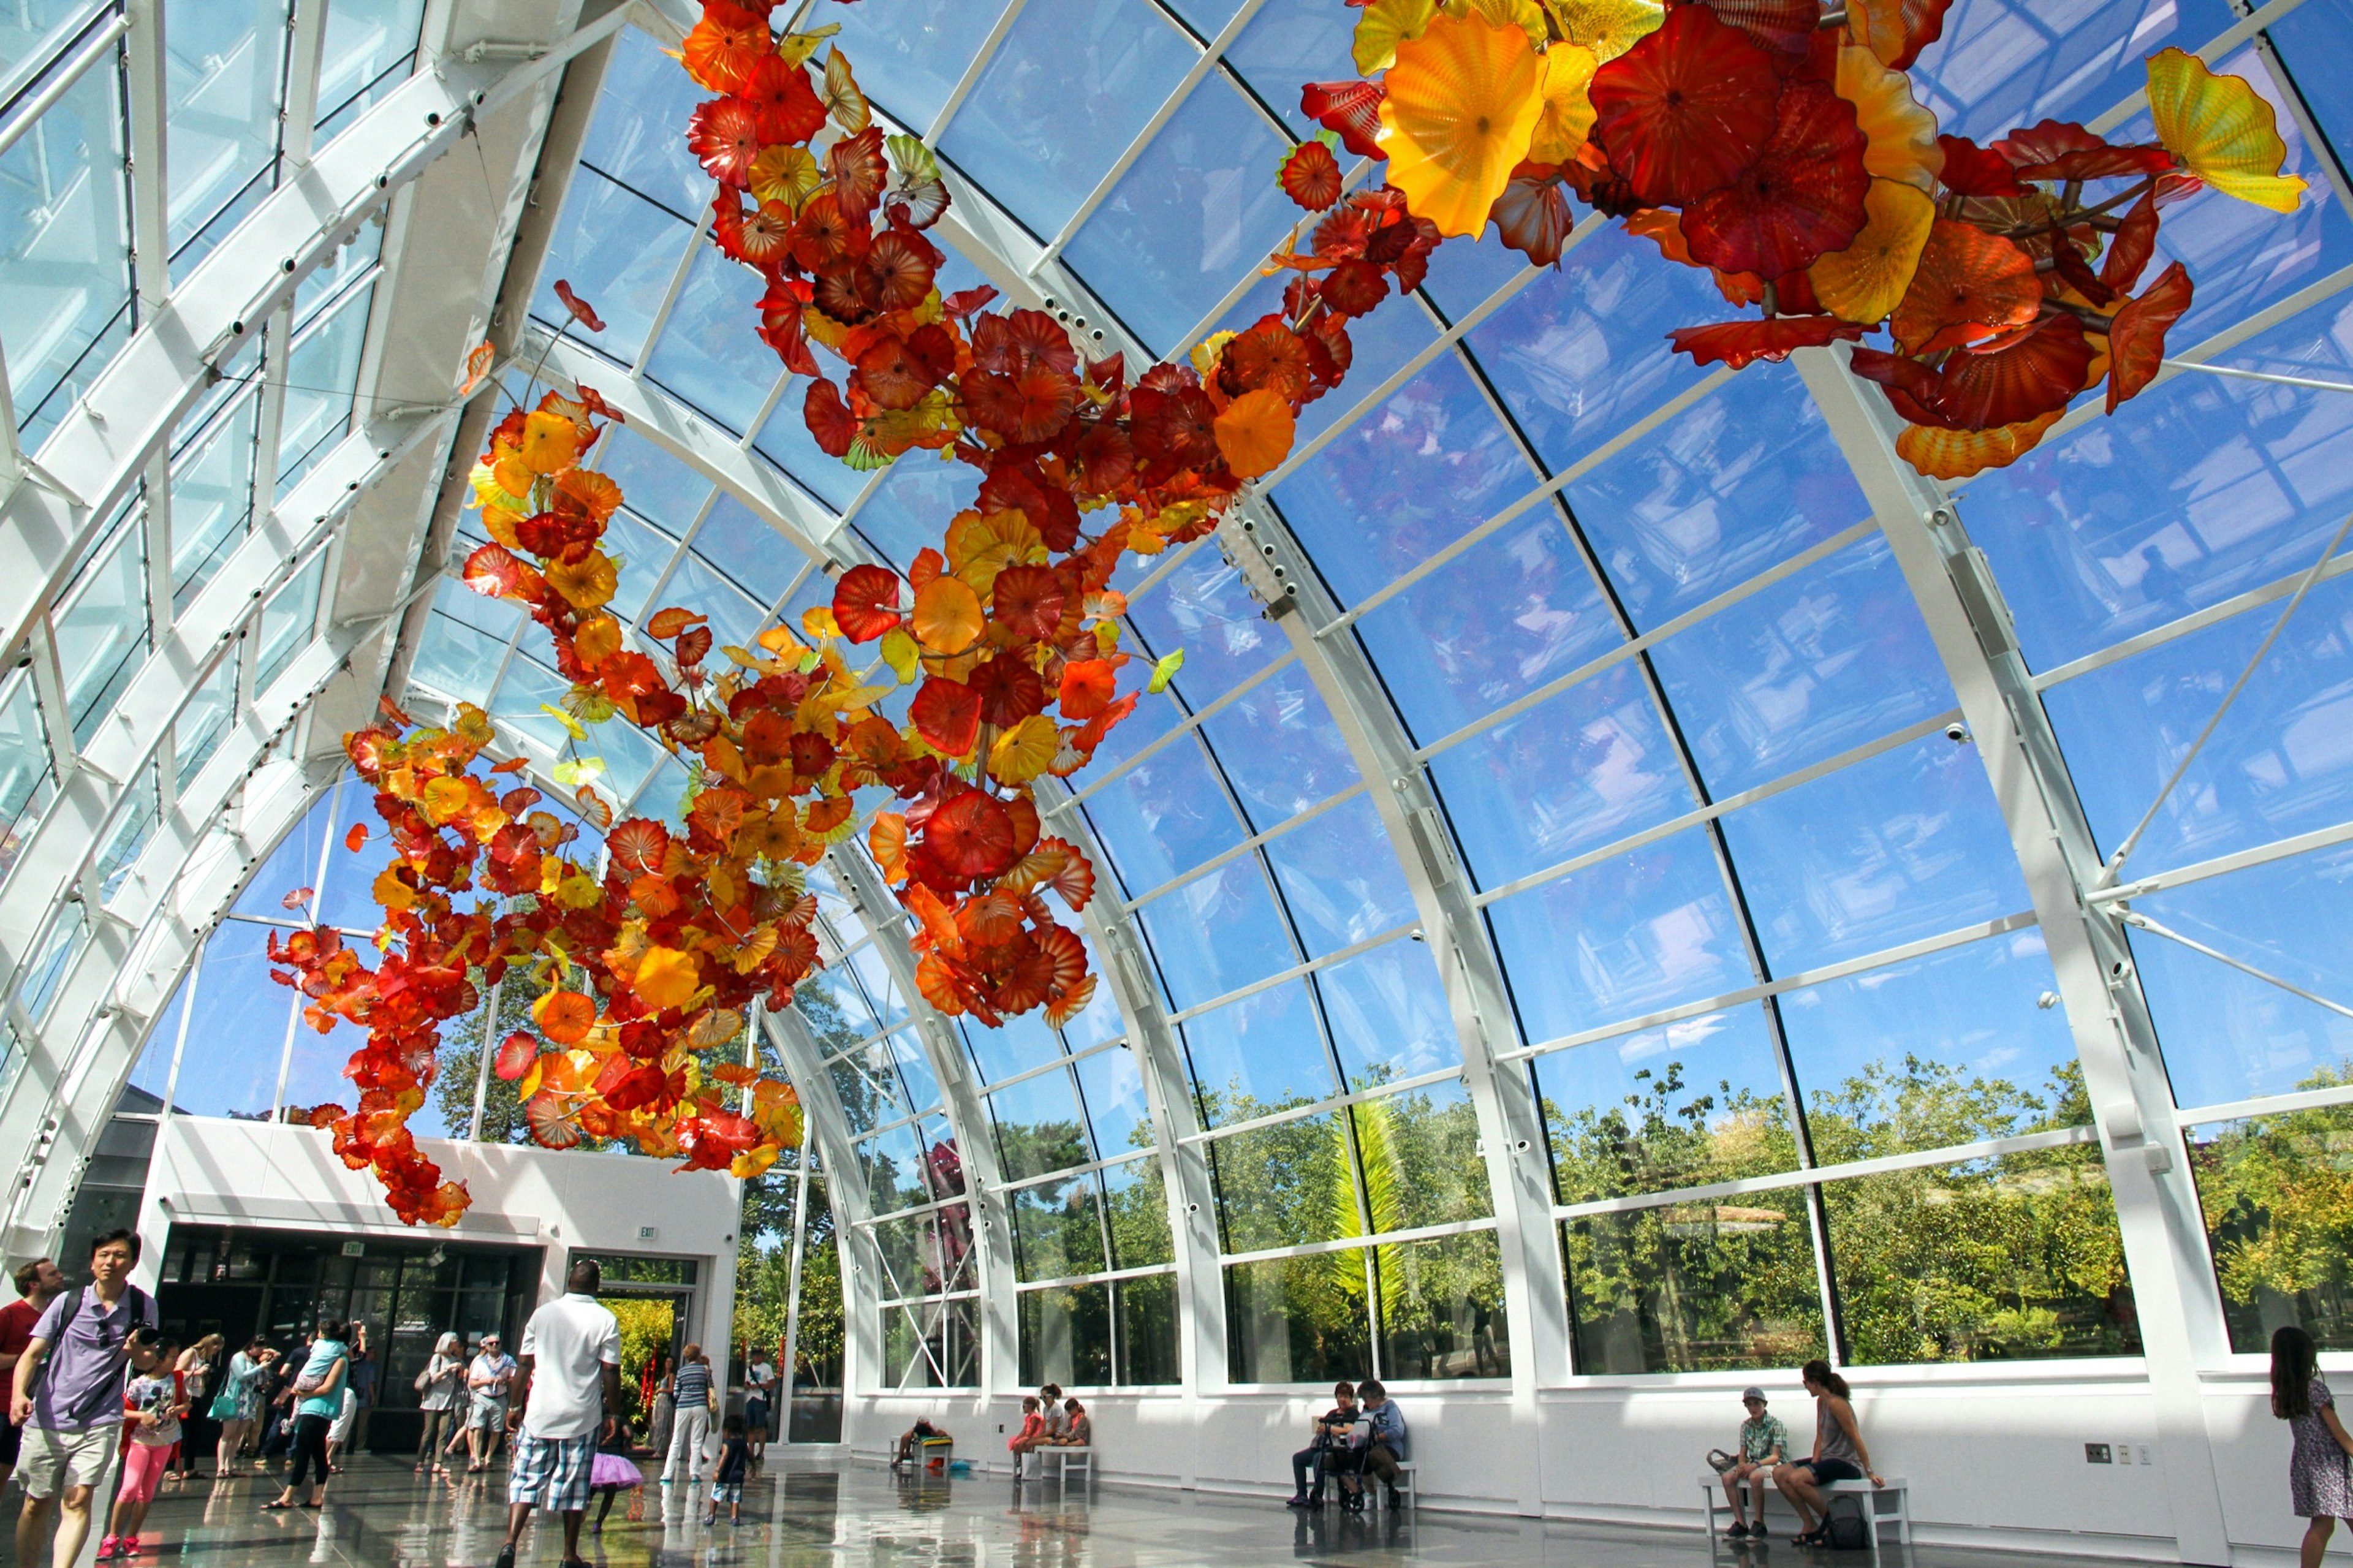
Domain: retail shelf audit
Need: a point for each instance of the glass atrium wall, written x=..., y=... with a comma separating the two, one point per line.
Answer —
x=1605, y=676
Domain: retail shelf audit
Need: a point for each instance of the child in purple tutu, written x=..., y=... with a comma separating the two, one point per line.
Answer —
x=611, y=1470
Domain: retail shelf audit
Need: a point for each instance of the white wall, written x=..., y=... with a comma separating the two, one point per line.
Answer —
x=1994, y=1454
x=268, y=1175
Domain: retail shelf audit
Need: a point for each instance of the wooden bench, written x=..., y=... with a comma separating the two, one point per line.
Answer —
x=1894, y=1490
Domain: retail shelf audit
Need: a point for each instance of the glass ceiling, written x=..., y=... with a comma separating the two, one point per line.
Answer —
x=1639, y=625
x=1684, y=720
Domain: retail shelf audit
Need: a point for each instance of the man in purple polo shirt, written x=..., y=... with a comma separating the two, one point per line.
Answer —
x=69, y=1395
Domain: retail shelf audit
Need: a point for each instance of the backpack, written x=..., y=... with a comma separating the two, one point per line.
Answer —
x=1848, y=1532
x=132, y=1296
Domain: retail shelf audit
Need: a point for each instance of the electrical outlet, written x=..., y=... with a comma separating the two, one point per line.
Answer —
x=2123, y=1453
x=2097, y=1454
x=2144, y=1455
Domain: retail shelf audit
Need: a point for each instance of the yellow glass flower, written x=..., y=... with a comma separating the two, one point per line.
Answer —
x=2222, y=129
x=584, y=585
x=1566, y=118
x=1868, y=279
x=1899, y=135
x=1608, y=27
x=1461, y=112
x=784, y=173
x=1385, y=25
x=550, y=443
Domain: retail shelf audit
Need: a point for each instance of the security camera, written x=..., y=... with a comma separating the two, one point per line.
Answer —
x=1956, y=732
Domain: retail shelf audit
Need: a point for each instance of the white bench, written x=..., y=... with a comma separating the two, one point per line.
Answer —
x=1062, y=1454
x=1895, y=1490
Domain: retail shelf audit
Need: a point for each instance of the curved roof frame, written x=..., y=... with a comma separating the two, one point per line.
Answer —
x=56, y=1102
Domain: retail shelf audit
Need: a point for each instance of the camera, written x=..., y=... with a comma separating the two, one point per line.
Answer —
x=1956, y=732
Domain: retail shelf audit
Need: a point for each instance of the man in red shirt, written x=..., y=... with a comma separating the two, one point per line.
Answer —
x=37, y=1283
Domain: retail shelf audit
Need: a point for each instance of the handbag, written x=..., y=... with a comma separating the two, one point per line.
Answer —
x=1719, y=1461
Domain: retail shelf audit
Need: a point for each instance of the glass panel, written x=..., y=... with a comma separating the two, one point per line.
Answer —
x=1581, y=769
x=1825, y=660
x=1280, y=748
x=64, y=251
x=32, y=29
x=1113, y=1091
x=1259, y=1055
x=1189, y=220
x=2226, y=1035
x=1747, y=477
x=26, y=781
x=2280, y=763
x=287, y=621
x=1905, y=844
x=43, y=974
x=893, y=1163
x=1388, y=1015
x=524, y=692
x=1163, y=816
x=747, y=550
x=1019, y=1044
x=1217, y=934
x=634, y=136
x=1418, y=472
x=1340, y=879
x=197, y=732
x=1067, y=91
x=1287, y=42
x=453, y=657
x=1693, y=1103
x=618, y=250
x=2273, y=1191
x=656, y=486
x=1066, y=1336
x=933, y=1345
x=1203, y=606
x=101, y=634
x=1278, y=1186
x=1136, y=1200
x=928, y=1253
x=322, y=375
x=701, y=358
x=1297, y=1319
x=1945, y=1049
x=369, y=45
x=2008, y=1259
x=909, y=57
x=224, y=72
x=1058, y=1230
x=1423, y=1161
x=1513, y=611
x=212, y=500
x=1581, y=353
x=1694, y=1287
x=152, y=1074
x=1442, y=1308
x=134, y=822
x=231, y=1065
x=1039, y=1128
x=2001, y=65
x=2201, y=488
x=1643, y=931
x=1146, y=1334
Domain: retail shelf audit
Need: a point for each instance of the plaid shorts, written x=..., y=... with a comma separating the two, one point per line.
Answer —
x=552, y=1472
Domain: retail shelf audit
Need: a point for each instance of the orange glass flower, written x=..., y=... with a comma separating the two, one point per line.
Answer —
x=1462, y=109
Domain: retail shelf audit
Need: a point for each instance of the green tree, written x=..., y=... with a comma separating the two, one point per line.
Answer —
x=2277, y=1192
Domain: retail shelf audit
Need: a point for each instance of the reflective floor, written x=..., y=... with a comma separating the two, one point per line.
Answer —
x=381, y=1514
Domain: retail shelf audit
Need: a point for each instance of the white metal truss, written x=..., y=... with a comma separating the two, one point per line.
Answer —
x=2157, y=1216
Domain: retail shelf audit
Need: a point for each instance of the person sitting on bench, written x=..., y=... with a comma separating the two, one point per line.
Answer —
x=912, y=1437
x=1838, y=1455
x=1033, y=1427
x=1385, y=1445
x=1078, y=1427
x=1764, y=1443
x=1327, y=1446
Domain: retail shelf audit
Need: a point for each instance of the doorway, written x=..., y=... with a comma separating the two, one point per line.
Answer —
x=653, y=1298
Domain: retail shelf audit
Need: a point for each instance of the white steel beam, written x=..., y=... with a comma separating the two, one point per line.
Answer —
x=2157, y=1215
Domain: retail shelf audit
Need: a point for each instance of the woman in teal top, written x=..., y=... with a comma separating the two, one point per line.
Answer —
x=319, y=1390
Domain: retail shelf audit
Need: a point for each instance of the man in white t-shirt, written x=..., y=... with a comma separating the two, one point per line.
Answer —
x=570, y=1377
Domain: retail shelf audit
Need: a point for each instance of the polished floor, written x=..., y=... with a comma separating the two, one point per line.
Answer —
x=380, y=1515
